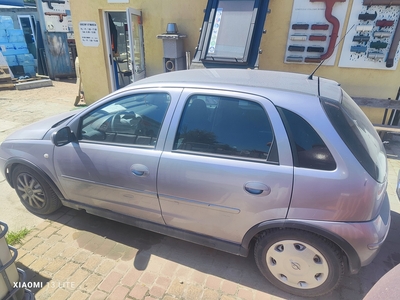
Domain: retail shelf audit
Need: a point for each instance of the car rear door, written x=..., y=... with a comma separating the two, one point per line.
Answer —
x=226, y=166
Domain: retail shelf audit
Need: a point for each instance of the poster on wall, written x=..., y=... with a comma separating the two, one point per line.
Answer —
x=89, y=33
x=57, y=15
x=373, y=38
x=315, y=28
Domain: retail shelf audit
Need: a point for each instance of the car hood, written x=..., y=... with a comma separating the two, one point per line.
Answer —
x=37, y=130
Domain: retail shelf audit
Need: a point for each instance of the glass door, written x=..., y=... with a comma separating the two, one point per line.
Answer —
x=136, y=44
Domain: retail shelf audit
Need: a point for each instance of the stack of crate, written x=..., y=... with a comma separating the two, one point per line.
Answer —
x=14, y=48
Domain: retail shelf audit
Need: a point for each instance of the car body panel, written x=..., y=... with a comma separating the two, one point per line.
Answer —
x=101, y=176
x=201, y=192
x=205, y=198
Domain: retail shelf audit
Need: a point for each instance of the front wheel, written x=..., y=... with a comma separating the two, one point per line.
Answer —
x=299, y=262
x=34, y=192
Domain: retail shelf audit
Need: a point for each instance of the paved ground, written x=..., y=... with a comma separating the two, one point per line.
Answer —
x=74, y=255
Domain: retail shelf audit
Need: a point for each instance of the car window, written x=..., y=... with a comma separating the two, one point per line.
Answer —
x=132, y=120
x=225, y=126
x=309, y=150
x=358, y=134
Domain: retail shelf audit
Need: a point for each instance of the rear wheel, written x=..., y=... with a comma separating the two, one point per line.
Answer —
x=299, y=262
x=34, y=192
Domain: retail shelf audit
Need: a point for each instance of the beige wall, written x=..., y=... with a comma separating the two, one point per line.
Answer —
x=188, y=14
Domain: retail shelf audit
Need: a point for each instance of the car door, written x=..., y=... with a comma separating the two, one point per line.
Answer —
x=114, y=163
x=227, y=165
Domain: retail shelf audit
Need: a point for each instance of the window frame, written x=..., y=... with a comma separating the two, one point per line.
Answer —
x=293, y=145
x=250, y=57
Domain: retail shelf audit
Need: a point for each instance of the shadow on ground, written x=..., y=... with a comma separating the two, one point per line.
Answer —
x=99, y=235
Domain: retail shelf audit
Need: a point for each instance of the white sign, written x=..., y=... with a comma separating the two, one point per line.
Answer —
x=118, y=1
x=89, y=33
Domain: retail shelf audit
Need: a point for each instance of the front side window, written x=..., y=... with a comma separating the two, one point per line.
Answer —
x=132, y=120
x=225, y=126
x=309, y=150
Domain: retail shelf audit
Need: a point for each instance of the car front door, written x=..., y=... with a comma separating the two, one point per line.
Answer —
x=220, y=173
x=114, y=163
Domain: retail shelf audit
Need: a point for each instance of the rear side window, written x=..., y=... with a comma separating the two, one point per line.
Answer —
x=309, y=150
x=358, y=134
x=226, y=126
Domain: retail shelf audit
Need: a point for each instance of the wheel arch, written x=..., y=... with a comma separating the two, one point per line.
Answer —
x=352, y=260
x=13, y=163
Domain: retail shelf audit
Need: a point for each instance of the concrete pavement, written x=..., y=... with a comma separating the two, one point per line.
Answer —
x=74, y=255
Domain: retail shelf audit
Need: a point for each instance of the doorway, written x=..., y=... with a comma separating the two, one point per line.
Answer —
x=125, y=47
x=27, y=24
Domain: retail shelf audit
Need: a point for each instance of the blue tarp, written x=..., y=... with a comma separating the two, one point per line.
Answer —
x=12, y=2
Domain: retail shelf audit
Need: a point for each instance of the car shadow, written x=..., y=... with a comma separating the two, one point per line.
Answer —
x=138, y=246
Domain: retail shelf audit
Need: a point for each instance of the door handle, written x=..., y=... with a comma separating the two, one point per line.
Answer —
x=139, y=170
x=257, y=188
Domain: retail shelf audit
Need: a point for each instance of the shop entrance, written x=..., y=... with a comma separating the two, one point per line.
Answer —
x=124, y=37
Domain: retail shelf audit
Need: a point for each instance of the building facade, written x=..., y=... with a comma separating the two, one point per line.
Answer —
x=120, y=41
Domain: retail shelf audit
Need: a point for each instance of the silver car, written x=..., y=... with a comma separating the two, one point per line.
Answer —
x=223, y=158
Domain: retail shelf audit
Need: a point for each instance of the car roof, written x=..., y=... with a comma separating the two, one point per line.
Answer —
x=245, y=78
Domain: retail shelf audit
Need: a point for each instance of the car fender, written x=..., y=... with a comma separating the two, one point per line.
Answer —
x=12, y=162
x=353, y=260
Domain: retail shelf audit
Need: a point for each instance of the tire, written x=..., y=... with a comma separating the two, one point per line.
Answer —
x=299, y=262
x=34, y=192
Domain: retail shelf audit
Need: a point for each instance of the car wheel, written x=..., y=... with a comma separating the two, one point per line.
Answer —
x=34, y=192
x=299, y=262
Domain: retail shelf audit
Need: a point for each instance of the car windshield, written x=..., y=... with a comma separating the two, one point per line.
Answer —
x=359, y=135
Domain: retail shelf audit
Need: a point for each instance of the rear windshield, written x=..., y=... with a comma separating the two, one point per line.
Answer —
x=358, y=134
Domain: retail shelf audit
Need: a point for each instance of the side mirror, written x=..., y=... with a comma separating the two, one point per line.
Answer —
x=62, y=137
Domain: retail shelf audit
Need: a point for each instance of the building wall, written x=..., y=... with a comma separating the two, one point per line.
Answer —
x=188, y=14
x=156, y=14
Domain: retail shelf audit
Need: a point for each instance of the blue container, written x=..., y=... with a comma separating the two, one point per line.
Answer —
x=15, y=36
x=29, y=69
x=25, y=59
x=6, y=22
x=7, y=49
x=21, y=48
x=11, y=60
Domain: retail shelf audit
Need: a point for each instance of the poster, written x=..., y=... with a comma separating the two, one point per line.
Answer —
x=89, y=33
x=310, y=38
x=371, y=31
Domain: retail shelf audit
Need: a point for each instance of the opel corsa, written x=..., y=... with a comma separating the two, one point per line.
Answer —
x=223, y=158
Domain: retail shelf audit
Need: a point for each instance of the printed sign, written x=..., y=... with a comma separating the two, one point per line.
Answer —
x=89, y=33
